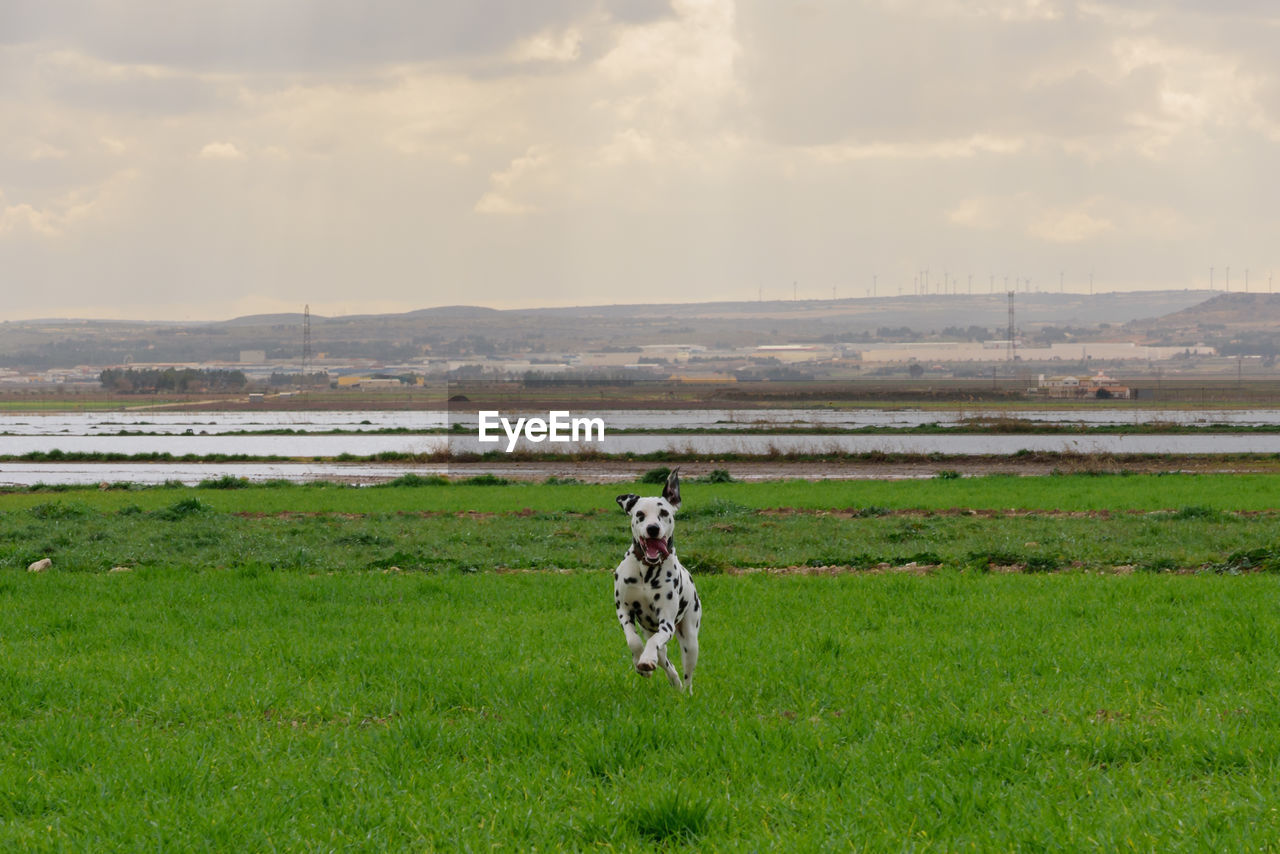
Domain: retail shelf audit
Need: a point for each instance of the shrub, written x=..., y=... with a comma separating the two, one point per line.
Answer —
x=1197, y=512
x=61, y=510
x=487, y=480
x=412, y=479
x=1043, y=563
x=182, y=509
x=1159, y=564
x=225, y=482
x=704, y=563
x=1252, y=560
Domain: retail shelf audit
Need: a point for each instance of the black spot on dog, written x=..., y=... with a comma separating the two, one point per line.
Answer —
x=630, y=579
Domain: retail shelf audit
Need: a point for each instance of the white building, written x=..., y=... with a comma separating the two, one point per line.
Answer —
x=975, y=351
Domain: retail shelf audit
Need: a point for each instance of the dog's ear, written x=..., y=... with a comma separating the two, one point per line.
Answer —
x=626, y=502
x=671, y=491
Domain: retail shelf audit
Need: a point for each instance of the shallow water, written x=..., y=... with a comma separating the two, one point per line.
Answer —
x=205, y=433
x=730, y=420
x=716, y=443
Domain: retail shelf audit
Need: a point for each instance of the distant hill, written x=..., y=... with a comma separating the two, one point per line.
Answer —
x=551, y=333
x=1238, y=311
x=454, y=311
x=268, y=319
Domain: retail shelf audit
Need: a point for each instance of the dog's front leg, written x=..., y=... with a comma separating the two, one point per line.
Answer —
x=648, y=661
x=635, y=643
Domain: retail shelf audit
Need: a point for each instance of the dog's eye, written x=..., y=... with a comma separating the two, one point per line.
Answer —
x=639, y=517
x=663, y=514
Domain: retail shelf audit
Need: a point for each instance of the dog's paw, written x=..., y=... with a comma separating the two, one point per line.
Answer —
x=645, y=668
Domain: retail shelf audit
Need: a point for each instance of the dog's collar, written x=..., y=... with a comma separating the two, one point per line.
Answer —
x=637, y=551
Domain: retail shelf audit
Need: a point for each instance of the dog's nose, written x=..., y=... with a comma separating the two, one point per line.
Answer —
x=652, y=530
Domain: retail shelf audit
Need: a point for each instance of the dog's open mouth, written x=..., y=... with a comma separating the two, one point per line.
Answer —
x=655, y=549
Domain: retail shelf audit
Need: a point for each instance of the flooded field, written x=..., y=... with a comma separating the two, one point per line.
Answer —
x=312, y=447
x=728, y=420
x=211, y=423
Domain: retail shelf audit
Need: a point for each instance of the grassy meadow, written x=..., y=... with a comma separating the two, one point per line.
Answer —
x=1087, y=663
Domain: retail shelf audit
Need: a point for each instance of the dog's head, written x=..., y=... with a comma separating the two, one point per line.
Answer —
x=653, y=520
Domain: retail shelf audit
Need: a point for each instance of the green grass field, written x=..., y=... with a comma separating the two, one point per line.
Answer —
x=263, y=679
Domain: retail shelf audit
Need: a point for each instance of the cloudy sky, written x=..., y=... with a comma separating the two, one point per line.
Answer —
x=185, y=159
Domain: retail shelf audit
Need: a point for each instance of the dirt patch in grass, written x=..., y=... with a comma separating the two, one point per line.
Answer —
x=834, y=569
x=985, y=513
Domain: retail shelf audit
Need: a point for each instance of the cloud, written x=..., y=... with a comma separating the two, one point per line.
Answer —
x=941, y=149
x=45, y=151
x=549, y=46
x=680, y=70
x=670, y=148
x=221, y=151
x=56, y=216
x=1071, y=225
x=1088, y=220
x=511, y=189
x=296, y=35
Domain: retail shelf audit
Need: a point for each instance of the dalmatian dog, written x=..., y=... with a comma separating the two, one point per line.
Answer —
x=652, y=592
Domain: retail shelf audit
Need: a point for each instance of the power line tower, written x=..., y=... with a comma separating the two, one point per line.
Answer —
x=306, y=342
x=1010, y=347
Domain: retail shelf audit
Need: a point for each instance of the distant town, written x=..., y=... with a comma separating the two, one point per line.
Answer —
x=674, y=362
x=1059, y=348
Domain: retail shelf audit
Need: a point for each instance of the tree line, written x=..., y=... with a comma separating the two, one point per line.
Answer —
x=149, y=380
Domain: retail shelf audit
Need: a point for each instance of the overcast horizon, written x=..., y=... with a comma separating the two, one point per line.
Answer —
x=998, y=296
x=200, y=161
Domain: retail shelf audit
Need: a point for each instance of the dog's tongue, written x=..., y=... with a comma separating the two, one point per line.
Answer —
x=655, y=547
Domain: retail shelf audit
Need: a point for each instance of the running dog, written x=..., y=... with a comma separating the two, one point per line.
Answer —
x=652, y=591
